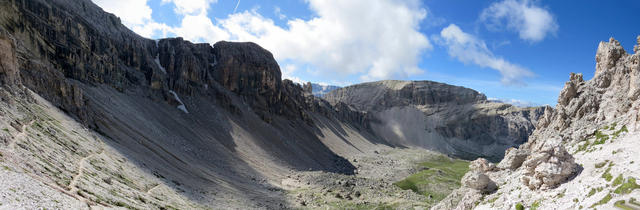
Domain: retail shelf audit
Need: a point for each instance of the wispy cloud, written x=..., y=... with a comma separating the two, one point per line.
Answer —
x=469, y=49
x=278, y=12
x=533, y=23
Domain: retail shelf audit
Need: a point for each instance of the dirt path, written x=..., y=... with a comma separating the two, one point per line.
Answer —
x=72, y=185
x=154, y=187
x=21, y=135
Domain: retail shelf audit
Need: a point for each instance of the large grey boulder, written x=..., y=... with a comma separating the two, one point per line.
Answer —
x=478, y=181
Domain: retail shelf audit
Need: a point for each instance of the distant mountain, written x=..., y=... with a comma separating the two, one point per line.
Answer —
x=320, y=89
x=450, y=119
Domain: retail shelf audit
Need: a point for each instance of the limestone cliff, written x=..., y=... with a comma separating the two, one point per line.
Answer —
x=451, y=119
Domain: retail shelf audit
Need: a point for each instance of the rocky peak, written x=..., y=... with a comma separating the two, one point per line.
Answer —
x=247, y=69
x=607, y=55
x=583, y=108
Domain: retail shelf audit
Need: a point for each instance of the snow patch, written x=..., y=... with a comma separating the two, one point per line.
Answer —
x=158, y=62
x=181, y=106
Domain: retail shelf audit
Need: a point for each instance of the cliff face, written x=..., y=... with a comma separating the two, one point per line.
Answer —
x=451, y=119
x=589, y=139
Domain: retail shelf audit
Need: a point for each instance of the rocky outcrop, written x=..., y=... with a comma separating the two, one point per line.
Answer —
x=588, y=121
x=548, y=167
x=450, y=119
x=251, y=72
x=513, y=158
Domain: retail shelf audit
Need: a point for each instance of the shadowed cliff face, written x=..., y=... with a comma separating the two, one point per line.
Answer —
x=451, y=119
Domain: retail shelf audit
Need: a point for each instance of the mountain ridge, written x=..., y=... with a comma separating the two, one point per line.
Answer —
x=450, y=119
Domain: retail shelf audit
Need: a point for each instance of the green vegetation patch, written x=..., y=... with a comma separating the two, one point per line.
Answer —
x=519, y=206
x=618, y=180
x=604, y=200
x=618, y=132
x=535, y=205
x=602, y=164
x=627, y=187
x=600, y=138
x=441, y=178
x=607, y=173
x=621, y=204
x=594, y=191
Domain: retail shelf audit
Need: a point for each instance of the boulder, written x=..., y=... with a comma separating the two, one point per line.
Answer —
x=513, y=158
x=548, y=167
x=478, y=181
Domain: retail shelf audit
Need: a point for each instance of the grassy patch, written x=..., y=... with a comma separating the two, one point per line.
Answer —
x=535, y=205
x=618, y=132
x=600, y=138
x=627, y=187
x=618, y=180
x=607, y=173
x=594, y=191
x=519, y=206
x=602, y=164
x=441, y=178
x=602, y=201
x=621, y=204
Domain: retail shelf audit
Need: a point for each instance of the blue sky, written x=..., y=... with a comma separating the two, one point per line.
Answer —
x=520, y=51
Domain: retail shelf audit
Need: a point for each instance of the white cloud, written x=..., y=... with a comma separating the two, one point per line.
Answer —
x=348, y=37
x=532, y=23
x=191, y=7
x=515, y=102
x=135, y=14
x=199, y=28
x=469, y=49
x=369, y=39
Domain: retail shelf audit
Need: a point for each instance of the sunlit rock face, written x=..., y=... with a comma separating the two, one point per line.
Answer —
x=451, y=119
